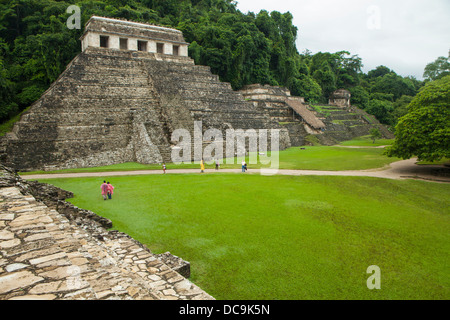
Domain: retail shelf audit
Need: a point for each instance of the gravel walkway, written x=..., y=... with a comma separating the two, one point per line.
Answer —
x=405, y=169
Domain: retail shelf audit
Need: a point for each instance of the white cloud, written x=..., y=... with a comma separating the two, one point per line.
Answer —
x=402, y=35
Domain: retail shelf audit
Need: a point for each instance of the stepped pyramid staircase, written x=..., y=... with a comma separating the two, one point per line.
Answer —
x=112, y=106
x=345, y=124
x=329, y=123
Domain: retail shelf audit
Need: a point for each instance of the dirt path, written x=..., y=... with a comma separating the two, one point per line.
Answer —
x=405, y=169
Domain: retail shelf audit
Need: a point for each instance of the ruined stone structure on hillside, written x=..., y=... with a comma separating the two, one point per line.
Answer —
x=329, y=124
x=344, y=121
x=340, y=98
x=289, y=111
x=121, y=99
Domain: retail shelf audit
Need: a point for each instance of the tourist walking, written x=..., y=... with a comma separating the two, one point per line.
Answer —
x=164, y=168
x=110, y=190
x=202, y=166
x=217, y=164
x=104, y=188
x=244, y=166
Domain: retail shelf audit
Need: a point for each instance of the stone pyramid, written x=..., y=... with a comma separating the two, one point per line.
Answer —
x=114, y=105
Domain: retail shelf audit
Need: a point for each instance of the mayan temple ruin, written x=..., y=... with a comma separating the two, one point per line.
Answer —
x=327, y=124
x=131, y=87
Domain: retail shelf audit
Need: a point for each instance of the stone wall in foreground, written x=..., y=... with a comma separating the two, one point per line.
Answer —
x=51, y=250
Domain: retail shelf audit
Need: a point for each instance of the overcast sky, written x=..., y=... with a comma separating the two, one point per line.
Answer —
x=402, y=35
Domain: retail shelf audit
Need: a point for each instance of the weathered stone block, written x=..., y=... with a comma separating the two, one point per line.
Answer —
x=175, y=263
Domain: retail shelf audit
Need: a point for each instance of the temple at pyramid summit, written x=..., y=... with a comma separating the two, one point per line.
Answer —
x=131, y=87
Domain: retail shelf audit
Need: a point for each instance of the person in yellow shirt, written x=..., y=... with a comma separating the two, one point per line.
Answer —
x=202, y=166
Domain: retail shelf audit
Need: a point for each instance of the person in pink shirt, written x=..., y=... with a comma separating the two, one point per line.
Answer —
x=110, y=190
x=104, y=188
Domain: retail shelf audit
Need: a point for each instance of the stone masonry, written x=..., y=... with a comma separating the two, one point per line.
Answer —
x=48, y=255
x=290, y=112
x=126, y=35
x=115, y=105
x=340, y=98
x=330, y=124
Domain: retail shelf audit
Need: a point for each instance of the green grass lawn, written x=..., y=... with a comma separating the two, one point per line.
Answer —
x=286, y=237
x=311, y=158
x=333, y=158
x=366, y=141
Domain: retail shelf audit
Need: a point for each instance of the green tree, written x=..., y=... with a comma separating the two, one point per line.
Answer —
x=375, y=134
x=359, y=97
x=437, y=69
x=401, y=107
x=381, y=109
x=348, y=69
x=392, y=83
x=326, y=79
x=382, y=96
x=305, y=86
x=424, y=131
x=379, y=71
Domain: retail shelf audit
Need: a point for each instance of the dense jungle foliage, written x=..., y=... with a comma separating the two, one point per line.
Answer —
x=242, y=48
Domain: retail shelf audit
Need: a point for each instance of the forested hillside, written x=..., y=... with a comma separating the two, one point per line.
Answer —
x=36, y=46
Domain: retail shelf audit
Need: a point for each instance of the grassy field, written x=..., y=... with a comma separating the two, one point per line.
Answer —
x=333, y=158
x=286, y=237
x=311, y=158
x=366, y=141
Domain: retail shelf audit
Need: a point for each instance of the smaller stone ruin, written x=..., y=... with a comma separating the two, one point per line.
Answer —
x=327, y=124
x=340, y=98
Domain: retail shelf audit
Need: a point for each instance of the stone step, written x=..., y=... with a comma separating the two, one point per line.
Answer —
x=79, y=71
x=345, y=122
x=178, y=68
x=117, y=80
x=99, y=61
x=205, y=83
x=220, y=104
x=213, y=95
x=185, y=75
x=87, y=90
x=344, y=117
x=106, y=105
